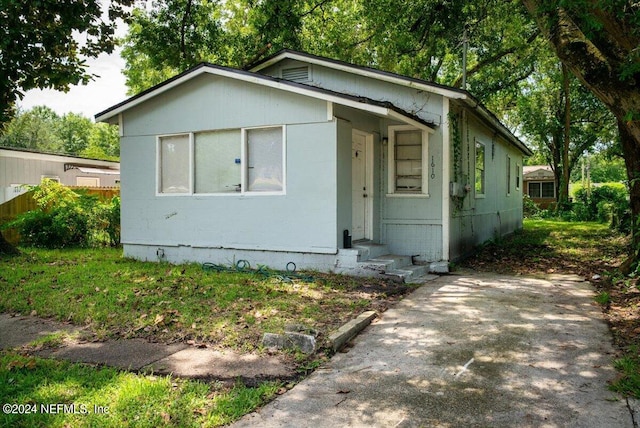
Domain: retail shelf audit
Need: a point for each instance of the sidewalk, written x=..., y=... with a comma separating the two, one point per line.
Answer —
x=139, y=355
x=472, y=350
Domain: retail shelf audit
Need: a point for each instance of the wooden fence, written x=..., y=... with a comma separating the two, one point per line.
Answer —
x=25, y=202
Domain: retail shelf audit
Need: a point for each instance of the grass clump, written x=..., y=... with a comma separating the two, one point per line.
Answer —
x=106, y=397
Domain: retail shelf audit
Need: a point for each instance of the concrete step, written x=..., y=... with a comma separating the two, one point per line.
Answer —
x=368, y=250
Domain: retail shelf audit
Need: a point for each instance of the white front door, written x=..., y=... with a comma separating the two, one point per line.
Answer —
x=361, y=193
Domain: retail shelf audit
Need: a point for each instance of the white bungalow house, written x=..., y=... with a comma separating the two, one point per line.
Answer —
x=313, y=161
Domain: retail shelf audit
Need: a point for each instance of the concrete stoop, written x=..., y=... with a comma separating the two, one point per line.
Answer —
x=374, y=260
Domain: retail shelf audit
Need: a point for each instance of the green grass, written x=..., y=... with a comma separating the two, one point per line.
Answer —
x=106, y=397
x=117, y=297
x=629, y=381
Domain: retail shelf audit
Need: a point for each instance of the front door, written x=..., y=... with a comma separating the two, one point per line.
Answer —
x=361, y=192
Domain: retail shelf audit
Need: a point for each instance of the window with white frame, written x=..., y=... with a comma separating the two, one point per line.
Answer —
x=264, y=156
x=480, y=169
x=407, y=153
x=174, y=153
x=217, y=157
x=517, y=176
x=222, y=162
x=508, y=175
x=542, y=189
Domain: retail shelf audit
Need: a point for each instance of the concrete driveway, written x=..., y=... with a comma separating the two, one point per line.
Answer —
x=472, y=350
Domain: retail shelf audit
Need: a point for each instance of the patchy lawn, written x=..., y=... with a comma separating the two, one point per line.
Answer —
x=121, y=298
x=590, y=250
x=41, y=392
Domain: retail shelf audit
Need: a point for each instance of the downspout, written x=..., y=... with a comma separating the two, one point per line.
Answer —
x=446, y=177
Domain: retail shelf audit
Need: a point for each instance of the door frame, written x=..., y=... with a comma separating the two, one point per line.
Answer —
x=371, y=191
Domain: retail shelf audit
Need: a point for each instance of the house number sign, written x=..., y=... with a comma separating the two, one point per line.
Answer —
x=433, y=168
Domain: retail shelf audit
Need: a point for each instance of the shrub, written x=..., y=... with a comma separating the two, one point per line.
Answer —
x=529, y=208
x=608, y=203
x=65, y=218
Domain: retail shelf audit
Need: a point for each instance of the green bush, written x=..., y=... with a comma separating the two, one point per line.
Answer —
x=65, y=218
x=529, y=208
x=608, y=203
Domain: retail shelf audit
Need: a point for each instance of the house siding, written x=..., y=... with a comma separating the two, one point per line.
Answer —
x=497, y=213
x=190, y=227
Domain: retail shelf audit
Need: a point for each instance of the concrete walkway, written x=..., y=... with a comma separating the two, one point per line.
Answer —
x=139, y=355
x=468, y=350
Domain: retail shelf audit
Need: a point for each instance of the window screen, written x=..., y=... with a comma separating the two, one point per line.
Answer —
x=548, y=189
x=264, y=160
x=174, y=164
x=216, y=170
x=408, y=158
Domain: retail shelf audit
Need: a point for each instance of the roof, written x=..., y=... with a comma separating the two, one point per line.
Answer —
x=532, y=168
x=448, y=91
x=383, y=108
x=20, y=152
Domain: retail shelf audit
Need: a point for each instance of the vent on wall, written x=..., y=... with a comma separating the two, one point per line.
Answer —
x=296, y=74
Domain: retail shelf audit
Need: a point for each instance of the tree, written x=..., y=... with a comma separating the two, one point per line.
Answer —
x=41, y=129
x=598, y=42
x=41, y=46
x=562, y=119
x=35, y=129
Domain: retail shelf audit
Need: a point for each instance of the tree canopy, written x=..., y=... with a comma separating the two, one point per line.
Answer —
x=45, y=44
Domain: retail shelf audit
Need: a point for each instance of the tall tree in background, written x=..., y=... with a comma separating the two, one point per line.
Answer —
x=563, y=120
x=44, y=44
x=598, y=42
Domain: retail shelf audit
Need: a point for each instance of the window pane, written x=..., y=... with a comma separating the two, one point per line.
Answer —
x=479, y=182
x=264, y=157
x=408, y=159
x=548, y=189
x=534, y=190
x=174, y=164
x=215, y=161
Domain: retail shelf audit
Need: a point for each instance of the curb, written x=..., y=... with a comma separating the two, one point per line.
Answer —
x=341, y=336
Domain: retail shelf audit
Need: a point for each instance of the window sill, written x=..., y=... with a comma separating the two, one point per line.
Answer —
x=483, y=196
x=408, y=195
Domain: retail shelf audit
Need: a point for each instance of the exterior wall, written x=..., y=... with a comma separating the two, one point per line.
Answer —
x=424, y=105
x=479, y=218
x=412, y=225
x=19, y=167
x=221, y=228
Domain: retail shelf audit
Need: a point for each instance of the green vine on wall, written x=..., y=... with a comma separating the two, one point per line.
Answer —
x=457, y=145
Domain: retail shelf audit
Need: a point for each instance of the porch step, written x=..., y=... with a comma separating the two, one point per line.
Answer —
x=368, y=250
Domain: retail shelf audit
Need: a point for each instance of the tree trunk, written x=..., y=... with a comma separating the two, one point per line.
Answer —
x=631, y=150
x=563, y=197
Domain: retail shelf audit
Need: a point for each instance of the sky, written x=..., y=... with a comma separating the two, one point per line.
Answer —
x=100, y=94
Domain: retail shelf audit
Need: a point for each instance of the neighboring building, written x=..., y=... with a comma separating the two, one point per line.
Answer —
x=540, y=184
x=19, y=167
x=302, y=155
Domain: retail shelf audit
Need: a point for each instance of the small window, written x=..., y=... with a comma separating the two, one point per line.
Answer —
x=508, y=175
x=517, y=177
x=480, y=169
x=88, y=181
x=264, y=159
x=542, y=190
x=217, y=161
x=407, y=156
x=174, y=164
x=296, y=74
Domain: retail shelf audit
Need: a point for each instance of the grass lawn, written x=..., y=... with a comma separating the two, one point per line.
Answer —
x=590, y=250
x=50, y=393
x=116, y=297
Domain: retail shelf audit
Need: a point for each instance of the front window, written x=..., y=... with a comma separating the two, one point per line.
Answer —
x=174, y=164
x=217, y=161
x=265, y=165
x=407, y=159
